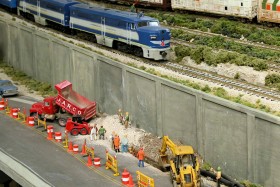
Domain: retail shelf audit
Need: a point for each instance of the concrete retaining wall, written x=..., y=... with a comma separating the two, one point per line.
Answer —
x=243, y=141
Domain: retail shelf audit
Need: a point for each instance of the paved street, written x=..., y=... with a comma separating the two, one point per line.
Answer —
x=53, y=163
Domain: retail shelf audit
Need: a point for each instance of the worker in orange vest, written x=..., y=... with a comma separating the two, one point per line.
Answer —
x=117, y=143
x=141, y=156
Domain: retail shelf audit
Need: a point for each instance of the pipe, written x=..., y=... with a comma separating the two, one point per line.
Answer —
x=229, y=179
x=213, y=176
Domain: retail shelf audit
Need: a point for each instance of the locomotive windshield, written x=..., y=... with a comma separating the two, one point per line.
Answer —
x=148, y=23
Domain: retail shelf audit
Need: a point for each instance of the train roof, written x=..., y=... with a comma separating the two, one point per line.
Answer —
x=62, y=1
x=112, y=13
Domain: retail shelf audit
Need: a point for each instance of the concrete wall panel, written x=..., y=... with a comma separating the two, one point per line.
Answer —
x=110, y=87
x=61, y=63
x=83, y=74
x=179, y=111
x=14, y=49
x=142, y=101
x=42, y=62
x=243, y=141
x=4, y=41
x=225, y=132
x=26, y=57
x=267, y=154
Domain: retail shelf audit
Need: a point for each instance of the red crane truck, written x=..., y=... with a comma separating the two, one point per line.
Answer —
x=66, y=104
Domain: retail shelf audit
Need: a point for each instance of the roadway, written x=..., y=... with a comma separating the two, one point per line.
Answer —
x=53, y=165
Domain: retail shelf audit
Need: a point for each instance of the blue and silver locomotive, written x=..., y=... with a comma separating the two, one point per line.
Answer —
x=126, y=31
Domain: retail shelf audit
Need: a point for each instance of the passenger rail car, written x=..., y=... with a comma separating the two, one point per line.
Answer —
x=126, y=31
x=46, y=12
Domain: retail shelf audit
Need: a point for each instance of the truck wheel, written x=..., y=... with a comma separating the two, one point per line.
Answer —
x=62, y=122
x=74, y=132
x=83, y=131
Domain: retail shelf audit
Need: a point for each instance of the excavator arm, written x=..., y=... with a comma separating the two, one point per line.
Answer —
x=167, y=142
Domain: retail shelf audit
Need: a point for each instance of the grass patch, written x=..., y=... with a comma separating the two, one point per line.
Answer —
x=43, y=88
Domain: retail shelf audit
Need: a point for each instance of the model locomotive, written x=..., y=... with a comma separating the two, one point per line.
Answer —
x=126, y=31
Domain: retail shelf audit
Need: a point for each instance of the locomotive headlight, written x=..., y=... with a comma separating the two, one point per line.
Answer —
x=153, y=37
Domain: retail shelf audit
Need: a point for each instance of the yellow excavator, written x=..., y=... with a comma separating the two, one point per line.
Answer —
x=183, y=166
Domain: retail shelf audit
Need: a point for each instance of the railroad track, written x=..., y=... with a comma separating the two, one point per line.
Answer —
x=248, y=88
x=254, y=44
x=224, y=81
x=272, y=66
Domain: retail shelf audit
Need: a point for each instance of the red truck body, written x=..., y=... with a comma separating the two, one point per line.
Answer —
x=73, y=102
x=64, y=105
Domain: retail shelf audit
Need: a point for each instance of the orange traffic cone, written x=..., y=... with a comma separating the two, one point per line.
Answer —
x=70, y=147
x=130, y=183
x=125, y=177
x=50, y=136
x=89, y=163
x=84, y=150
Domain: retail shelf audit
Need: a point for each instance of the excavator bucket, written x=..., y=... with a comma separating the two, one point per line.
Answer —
x=164, y=163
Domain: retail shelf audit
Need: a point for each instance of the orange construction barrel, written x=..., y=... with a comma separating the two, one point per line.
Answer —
x=57, y=136
x=96, y=162
x=125, y=177
x=75, y=148
x=15, y=112
x=30, y=121
x=49, y=128
x=2, y=105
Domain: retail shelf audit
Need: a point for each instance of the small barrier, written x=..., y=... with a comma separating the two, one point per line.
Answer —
x=144, y=180
x=8, y=109
x=65, y=140
x=22, y=115
x=87, y=151
x=112, y=163
x=90, y=151
x=42, y=123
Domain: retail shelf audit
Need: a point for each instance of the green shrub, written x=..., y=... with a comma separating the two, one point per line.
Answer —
x=206, y=89
x=237, y=76
x=272, y=79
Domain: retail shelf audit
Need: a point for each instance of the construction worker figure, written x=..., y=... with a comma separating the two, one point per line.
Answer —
x=218, y=176
x=141, y=156
x=93, y=132
x=101, y=133
x=117, y=143
x=126, y=120
x=112, y=136
x=124, y=144
x=120, y=115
